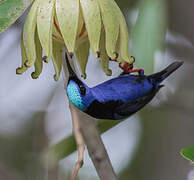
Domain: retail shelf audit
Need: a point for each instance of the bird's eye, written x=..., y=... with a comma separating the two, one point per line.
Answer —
x=82, y=90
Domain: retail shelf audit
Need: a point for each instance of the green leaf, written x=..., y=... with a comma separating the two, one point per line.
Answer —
x=68, y=145
x=10, y=10
x=188, y=153
x=148, y=34
x=23, y=149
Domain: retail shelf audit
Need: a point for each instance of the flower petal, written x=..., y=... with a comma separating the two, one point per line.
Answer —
x=82, y=53
x=68, y=14
x=104, y=59
x=119, y=59
x=23, y=68
x=29, y=33
x=91, y=13
x=56, y=31
x=81, y=28
x=123, y=39
x=57, y=58
x=82, y=34
x=111, y=26
x=45, y=20
x=38, y=62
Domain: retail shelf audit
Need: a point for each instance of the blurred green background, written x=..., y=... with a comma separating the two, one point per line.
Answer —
x=34, y=114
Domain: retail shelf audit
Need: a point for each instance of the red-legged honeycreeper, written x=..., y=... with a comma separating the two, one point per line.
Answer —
x=119, y=97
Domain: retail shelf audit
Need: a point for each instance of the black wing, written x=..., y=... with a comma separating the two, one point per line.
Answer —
x=118, y=109
x=132, y=107
x=103, y=110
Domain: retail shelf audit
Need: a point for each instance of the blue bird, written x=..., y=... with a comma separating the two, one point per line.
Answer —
x=119, y=97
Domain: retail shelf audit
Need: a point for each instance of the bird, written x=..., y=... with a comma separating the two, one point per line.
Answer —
x=117, y=98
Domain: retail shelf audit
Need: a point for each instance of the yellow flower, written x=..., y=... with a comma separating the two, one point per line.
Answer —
x=79, y=25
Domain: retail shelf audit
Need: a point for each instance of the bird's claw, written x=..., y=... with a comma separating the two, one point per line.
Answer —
x=140, y=71
x=128, y=69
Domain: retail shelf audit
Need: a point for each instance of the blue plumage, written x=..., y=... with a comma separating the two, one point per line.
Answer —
x=74, y=95
x=123, y=88
x=119, y=97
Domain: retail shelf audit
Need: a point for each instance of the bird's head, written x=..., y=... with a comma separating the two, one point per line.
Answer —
x=77, y=91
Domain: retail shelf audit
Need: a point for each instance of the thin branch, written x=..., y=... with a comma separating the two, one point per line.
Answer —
x=76, y=129
x=95, y=146
x=79, y=141
x=61, y=150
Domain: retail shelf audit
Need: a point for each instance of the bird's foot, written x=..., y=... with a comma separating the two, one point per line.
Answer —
x=128, y=68
x=140, y=71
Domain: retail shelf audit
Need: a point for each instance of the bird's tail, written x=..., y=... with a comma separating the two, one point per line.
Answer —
x=160, y=76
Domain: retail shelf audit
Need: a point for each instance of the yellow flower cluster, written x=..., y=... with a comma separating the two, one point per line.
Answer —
x=79, y=25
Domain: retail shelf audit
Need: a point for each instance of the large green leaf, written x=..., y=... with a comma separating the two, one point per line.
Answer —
x=10, y=10
x=188, y=153
x=149, y=32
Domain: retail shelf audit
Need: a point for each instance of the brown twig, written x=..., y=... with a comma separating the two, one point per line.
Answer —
x=76, y=130
x=79, y=141
x=95, y=146
x=85, y=126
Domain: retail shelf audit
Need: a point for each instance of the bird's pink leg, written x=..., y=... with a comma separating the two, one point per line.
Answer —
x=128, y=68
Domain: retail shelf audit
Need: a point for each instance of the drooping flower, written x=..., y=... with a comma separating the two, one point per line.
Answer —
x=79, y=25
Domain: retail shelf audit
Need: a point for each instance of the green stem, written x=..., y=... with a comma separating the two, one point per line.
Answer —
x=68, y=145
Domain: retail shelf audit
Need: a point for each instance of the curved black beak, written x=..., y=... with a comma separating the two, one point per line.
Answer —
x=71, y=72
